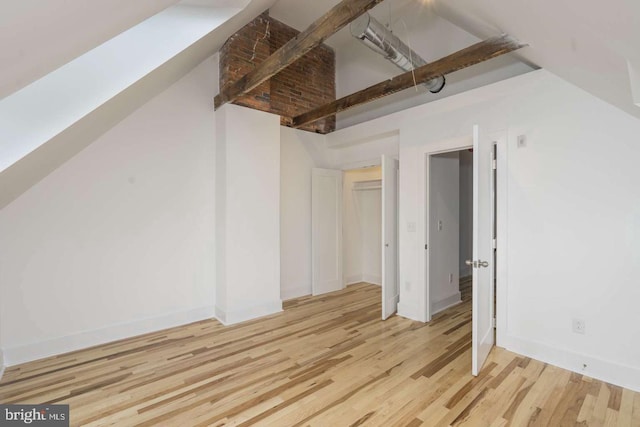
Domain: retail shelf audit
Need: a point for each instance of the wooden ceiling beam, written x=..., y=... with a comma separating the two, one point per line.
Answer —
x=471, y=55
x=327, y=25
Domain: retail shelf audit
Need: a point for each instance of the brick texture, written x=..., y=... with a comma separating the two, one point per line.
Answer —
x=307, y=83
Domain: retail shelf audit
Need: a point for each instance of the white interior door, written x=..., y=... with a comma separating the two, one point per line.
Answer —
x=326, y=230
x=482, y=323
x=390, y=289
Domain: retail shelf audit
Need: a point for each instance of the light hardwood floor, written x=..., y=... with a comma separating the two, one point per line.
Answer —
x=324, y=361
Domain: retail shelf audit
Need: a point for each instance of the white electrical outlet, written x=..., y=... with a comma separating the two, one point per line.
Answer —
x=578, y=326
x=411, y=227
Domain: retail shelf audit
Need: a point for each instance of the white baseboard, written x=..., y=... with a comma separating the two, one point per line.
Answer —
x=443, y=304
x=370, y=278
x=231, y=317
x=614, y=373
x=51, y=347
x=352, y=280
x=411, y=312
x=297, y=292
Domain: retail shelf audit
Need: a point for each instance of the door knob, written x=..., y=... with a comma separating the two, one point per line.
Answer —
x=477, y=264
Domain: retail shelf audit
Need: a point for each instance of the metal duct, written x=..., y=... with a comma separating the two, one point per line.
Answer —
x=382, y=41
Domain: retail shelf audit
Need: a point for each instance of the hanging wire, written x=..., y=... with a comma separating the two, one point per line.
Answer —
x=255, y=45
x=413, y=67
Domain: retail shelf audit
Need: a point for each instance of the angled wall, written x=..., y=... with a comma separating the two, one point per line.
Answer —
x=119, y=240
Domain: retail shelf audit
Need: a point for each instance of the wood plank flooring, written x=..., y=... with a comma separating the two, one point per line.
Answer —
x=324, y=361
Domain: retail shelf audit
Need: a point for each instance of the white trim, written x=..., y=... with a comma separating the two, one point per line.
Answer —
x=501, y=238
x=360, y=164
x=445, y=303
x=247, y=313
x=462, y=142
x=297, y=292
x=394, y=300
x=359, y=278
x=352, y=280
x=411, y=312
x=611, y=372
x=51, y=347
x=370, y=278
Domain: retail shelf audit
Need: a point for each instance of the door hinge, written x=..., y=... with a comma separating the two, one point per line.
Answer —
x=494, y=164
x=425, y=247
x=494, y=244
x=493, y=323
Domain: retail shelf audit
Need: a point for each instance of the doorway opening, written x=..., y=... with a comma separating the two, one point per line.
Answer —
x=354, y=234
x=370, y=230
x=362, y=226
x=450, y=229
x=462, y=231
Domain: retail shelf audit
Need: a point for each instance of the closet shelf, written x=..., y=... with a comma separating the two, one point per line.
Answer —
x=372, y=184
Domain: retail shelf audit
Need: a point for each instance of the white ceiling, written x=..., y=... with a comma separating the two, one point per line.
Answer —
x=36, y=36
x=589, y=43
x=431, y=36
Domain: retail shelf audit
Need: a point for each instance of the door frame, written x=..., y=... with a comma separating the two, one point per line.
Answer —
x=378, y=163
x=499, y=138
x=385, y=160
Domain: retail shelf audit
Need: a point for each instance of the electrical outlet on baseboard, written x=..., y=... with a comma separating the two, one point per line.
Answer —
x=579, y=326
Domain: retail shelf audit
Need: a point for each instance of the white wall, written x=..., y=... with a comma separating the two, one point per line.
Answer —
x=120, y=239
x=248, y=214
x=570, y=208
x=466, y=211
x=444, y=230
x=2, y=363
x=370, y=204
x=362, y=228
x=300, y=152
x=296, y=163
x=35, y=114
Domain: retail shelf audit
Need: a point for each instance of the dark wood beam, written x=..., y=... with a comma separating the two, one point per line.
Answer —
x=327, y=25
x=471, y=55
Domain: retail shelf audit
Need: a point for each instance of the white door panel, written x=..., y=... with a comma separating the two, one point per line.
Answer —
x=390, y=289
x=326, y=230
x=483, y=271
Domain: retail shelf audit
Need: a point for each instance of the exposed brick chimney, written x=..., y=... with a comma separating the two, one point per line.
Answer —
x=307, y=83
